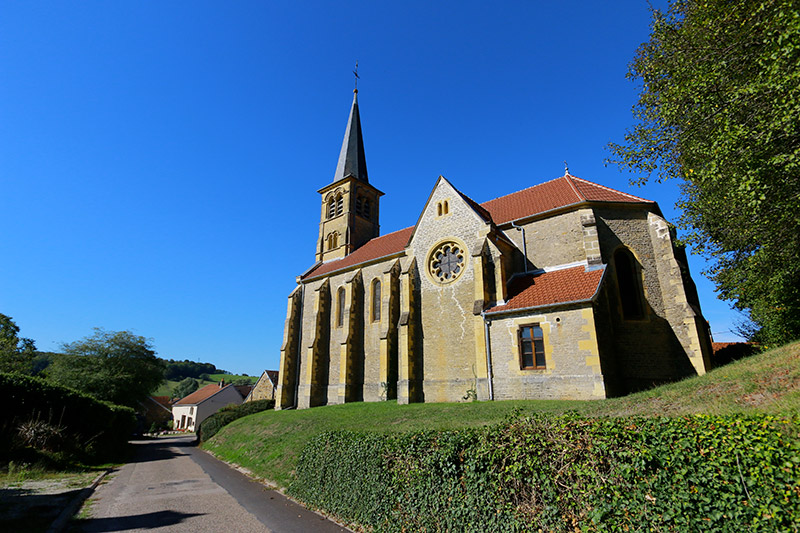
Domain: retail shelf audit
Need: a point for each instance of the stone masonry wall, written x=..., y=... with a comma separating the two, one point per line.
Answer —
x=571, y=353
x=451, y=358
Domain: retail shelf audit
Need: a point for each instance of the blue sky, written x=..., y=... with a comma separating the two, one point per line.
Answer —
x=159, y=162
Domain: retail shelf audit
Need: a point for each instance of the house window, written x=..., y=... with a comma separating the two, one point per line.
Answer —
x=191, y=410
x=376, y=300
x=189, y=422
x=630, y=288
x=340, y=307
x=531, y=347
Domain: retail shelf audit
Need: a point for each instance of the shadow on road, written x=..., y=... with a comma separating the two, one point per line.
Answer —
x=24, y=510
x=143, y=451
x=139, y=521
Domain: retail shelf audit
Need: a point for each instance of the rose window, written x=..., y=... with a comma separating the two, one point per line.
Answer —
x=446, y=262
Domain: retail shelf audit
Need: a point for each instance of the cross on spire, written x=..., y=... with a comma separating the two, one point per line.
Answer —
x=355, y=73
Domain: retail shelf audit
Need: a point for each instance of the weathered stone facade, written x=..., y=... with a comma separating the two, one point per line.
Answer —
x=565, y=290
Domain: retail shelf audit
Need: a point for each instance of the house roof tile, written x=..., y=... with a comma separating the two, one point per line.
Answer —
x=551, y=288
x=200, y=395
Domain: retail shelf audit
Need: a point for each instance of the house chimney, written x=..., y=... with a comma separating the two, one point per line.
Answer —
x=221, y=383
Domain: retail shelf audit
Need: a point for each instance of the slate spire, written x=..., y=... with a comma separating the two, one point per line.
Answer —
x=351, y=159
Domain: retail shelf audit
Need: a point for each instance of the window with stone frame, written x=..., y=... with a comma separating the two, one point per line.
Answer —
x=331, y=207
x=629, y=284
x=531, y=347
x=376, y=300
x=340, y=307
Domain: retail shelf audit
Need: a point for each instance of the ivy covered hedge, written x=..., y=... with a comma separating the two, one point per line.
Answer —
x=211, y=425
x=694, y=473
x=46, y=417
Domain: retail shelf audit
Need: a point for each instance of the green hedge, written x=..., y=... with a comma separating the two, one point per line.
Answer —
x=89, y=429
x=211, y=425
x=697, y=473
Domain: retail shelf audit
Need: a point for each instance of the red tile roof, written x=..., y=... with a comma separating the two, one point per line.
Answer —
x=200, y=395
x=550, y=288
x=376, y=248
x=554, y=194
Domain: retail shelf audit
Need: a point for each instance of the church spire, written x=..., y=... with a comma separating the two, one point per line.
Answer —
x=352, y=161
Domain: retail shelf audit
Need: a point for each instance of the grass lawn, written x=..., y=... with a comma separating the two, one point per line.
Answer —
x=268, y=443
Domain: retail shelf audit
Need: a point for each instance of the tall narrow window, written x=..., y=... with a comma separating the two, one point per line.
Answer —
x=331, y=207
x=630, y=288
x=340, y=307
x=531, y=347
x=376, y=300
x=446, y=207
x=439, y=209
x=359, y=204
x=339, y=205
x=365, y=208
x=333, y=240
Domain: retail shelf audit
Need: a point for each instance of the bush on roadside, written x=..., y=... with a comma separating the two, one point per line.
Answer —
x=565, y=473
x=211, y=425
x=50, y=418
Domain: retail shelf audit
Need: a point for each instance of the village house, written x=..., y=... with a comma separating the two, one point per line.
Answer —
x=564, y=290
x=264, y=388
x=189, y=412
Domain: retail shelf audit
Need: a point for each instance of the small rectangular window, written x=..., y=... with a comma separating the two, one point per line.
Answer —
x=531, y=347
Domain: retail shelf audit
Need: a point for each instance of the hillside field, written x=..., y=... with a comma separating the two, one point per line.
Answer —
x=268, y=443
x=168, y=386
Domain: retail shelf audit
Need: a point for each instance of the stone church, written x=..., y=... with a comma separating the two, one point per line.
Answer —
x=564, y=290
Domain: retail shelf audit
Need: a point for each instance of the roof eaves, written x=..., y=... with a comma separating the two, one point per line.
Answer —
x=355, y=266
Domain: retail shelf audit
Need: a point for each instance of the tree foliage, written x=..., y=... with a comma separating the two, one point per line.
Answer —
x=116, y=366
x=185, y=388
x=16, y=354
x=177, y=370
x=719, y=108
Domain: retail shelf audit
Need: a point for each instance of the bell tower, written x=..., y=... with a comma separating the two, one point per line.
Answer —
x=349, y=215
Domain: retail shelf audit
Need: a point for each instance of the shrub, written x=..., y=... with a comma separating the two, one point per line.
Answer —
x=50, y=417
x=566, y=473
x=211, y=425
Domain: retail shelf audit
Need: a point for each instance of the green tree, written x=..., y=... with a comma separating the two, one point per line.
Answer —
x=719, y=108
x=16, y=354
x=116, y=366
x=185, y=388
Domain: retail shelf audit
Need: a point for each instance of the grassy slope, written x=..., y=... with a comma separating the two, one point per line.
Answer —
x=268, y=443
x=167, y=387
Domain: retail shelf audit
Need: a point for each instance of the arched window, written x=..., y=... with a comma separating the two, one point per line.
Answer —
x=339, y=205
x=376, y=300
x=446, y=207
x=439, y=209
x=630, y=288
x=331, y=207
x=340, y=307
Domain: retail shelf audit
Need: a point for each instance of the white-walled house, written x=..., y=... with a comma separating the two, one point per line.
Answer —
x=189, y=412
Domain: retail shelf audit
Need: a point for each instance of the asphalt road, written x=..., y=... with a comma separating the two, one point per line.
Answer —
x=171, y=485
